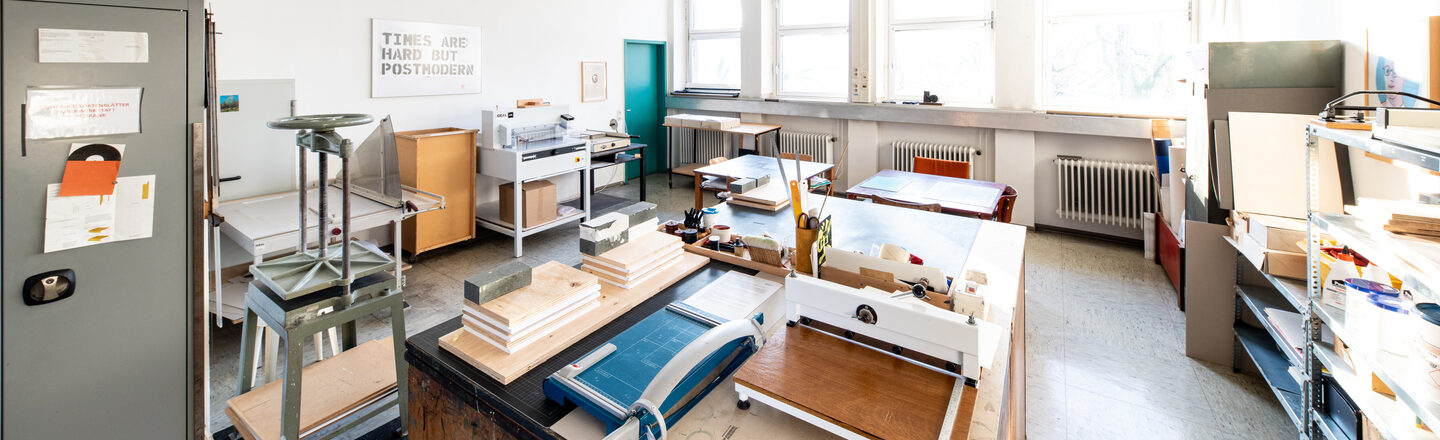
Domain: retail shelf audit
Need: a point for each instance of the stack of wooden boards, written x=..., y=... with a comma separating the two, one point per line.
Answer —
x=331, y=389
x=625, y=248
x=513, y=306
x=772, y=196
x=1406, y=218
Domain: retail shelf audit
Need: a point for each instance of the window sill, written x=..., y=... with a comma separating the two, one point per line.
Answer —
x=946, y=115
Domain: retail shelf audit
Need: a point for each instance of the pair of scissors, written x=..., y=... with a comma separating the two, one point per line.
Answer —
x=808, y=222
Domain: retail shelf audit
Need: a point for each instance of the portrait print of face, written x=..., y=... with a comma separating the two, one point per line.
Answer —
x=1387, y=78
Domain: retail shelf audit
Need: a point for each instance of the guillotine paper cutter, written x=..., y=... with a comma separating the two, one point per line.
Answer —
x=664, y=364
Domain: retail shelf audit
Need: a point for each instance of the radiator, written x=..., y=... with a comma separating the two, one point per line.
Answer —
x=1104, y=192
x=906, y=152
x=712, y=145
x=819, y=146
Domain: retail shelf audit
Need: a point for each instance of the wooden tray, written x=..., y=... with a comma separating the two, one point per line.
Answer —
x=737, y=260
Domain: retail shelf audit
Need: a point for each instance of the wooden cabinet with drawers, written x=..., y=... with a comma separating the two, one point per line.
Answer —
x=441, y=161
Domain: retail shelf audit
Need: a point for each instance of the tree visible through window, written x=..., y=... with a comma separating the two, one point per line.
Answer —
x=946, y=47
x=1114, y=56
x=813, y=47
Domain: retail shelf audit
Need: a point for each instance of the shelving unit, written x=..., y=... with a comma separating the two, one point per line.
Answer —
x=1413, y=261
x=1265, y=345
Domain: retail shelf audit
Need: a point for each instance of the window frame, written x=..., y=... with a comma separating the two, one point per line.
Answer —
x=937, y=23
x=781, y=31
x=691, y=35
x=1095, y=14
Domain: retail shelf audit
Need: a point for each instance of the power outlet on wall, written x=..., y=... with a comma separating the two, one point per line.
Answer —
x=860, y=85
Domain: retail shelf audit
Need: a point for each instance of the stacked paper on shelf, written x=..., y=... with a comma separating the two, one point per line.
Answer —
x=702, y=121
x=1399, y=217
x=522, y=307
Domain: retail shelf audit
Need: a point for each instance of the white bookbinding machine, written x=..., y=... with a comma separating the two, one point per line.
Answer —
x=942, y=339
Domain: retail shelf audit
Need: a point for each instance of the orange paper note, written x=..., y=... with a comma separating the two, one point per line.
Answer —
x=89, y=178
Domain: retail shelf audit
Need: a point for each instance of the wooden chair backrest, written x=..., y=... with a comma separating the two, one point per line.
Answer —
x=718, y=160
x=942, y=167
x=928, y=207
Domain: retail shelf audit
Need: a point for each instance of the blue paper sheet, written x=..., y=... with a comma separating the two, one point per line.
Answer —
x=885, y=183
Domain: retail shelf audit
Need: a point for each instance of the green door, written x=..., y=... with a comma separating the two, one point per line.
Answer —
x=644, y=103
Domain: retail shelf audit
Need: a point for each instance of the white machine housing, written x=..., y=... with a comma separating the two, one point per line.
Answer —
x=511, y=127
x=914, y=326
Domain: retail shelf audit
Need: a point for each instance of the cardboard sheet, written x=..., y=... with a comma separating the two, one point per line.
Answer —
x=1267, y=161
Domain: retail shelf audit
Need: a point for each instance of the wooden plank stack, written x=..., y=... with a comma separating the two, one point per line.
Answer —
x=522, y=306
x=772, y=196
x=625, y=248
x=1406, y=218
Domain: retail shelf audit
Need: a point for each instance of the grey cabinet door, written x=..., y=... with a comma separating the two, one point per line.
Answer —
x=110, y=361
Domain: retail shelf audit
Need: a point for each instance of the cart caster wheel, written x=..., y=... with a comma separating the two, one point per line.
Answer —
x=805, y=321
x=789, y=323
x=950, y=366
x=849, y=334
x=897, y=349
x=743, y=405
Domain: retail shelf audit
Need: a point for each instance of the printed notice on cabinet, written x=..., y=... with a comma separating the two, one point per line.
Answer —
x=86, y=46
x=62, y=113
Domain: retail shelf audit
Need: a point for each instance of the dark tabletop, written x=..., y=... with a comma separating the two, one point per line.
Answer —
x=944, y=241
x=522, y=401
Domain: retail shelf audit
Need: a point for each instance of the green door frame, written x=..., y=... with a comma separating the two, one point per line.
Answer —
x=657, y=152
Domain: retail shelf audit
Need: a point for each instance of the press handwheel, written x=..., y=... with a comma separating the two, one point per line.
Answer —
x=320, y=122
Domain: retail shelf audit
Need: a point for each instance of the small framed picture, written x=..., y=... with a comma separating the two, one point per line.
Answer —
x=593, y=81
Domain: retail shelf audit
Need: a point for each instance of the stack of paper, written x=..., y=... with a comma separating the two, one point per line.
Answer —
x=773, y=196
x=640, y=259
x=556, y=295
x=1400, y=217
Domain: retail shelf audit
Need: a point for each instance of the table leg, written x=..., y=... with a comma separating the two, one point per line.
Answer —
x=519, y=203
x=699, y=194
x=290, y=394
x=247, y=352
x=642, y=175
x=402, y=383
x=669, y=158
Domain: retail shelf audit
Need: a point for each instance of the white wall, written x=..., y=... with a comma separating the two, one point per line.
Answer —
x=529, y=50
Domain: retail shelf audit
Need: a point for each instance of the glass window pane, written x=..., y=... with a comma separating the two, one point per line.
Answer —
x=1114, y=63
x=1062, y=7
x=715, y=61
x=714, y=14
x=955, y=63
x=921, y=9
x=811, y=12
x=815, y=64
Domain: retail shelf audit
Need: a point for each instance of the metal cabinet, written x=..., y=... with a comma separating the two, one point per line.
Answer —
x=115, y=359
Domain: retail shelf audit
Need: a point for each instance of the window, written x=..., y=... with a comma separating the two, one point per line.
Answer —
x=1114, y=56
x=812, y=47
x=946, y=47
x=715, y=44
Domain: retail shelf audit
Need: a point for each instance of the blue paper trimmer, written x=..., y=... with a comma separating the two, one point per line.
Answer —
x=664, y=365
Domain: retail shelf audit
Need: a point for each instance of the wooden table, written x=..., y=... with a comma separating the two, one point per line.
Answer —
x=755, y=166
x=451, y=399
x=975, y=198
x=744, y=129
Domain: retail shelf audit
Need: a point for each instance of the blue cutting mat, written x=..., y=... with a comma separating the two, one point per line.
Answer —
x=640, y=352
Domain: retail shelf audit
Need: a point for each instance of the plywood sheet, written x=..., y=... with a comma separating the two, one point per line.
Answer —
x=606, y=273
x=614, y=302
x=540, y=321
x=639, y=252
x=772, y=193
x=551, y=283
x=329, y=388
x=1267, y=165
x=866, y=391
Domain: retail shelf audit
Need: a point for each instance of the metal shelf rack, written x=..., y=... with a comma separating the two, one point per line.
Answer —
x=1415, y=262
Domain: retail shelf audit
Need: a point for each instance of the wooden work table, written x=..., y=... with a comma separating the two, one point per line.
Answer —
x=976, y=198
x=450, y=399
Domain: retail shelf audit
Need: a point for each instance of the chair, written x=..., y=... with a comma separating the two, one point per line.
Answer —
x=927, y=207
x=942, y=167
x=716, y=183
x=1006, y=205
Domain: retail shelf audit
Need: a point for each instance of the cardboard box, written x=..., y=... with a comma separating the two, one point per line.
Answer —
x=539, y=203
x=1277, y=233
x=1283, y=264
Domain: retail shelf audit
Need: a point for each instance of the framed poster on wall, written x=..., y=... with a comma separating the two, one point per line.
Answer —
x=416, y=59
x=593, y=81
x=1402, y=55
